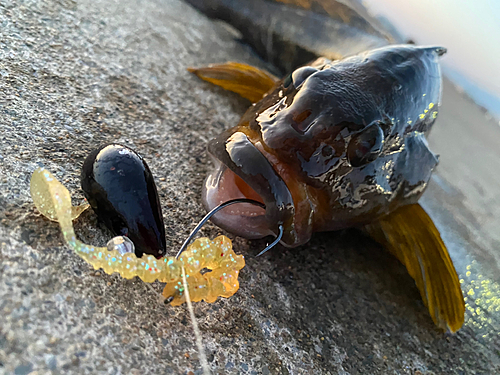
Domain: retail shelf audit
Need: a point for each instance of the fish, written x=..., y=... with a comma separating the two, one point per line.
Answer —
x=339, y=144
x=289, y=33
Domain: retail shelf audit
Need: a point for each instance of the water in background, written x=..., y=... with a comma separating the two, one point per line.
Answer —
x=469, y=29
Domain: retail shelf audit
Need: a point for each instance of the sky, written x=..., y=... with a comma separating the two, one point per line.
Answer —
x=469, y=29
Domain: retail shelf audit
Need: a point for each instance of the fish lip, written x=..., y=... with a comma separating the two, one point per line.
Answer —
x=234, y=150
x=243, y=219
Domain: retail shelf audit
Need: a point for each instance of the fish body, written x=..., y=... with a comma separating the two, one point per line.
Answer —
x=332, y=145
x=289, y=33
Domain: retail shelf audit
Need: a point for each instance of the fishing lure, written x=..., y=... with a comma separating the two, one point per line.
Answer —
x=121, y=190
x=337, y=144
x=53, y=201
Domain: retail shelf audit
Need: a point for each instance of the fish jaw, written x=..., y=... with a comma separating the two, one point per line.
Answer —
x=242, y=171
x=242, y=219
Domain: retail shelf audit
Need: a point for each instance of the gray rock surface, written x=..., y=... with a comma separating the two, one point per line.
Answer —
x=77, y=74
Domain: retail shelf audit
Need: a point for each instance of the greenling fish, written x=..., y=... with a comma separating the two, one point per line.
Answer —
x=290, y=33
x=339, y=144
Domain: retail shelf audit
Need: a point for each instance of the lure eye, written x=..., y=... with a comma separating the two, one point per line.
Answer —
x=298, y=76
x=365, y=146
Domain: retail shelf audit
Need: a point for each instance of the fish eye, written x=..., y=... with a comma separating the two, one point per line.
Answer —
x=365, y=146
x=327, y=151
x=301, y=74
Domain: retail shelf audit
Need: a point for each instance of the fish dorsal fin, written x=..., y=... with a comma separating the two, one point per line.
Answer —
x=410, y=235
x=245, y=80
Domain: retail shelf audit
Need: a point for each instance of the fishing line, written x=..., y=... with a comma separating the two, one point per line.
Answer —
x=196, y=329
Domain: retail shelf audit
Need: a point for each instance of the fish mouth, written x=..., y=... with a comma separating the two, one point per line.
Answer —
x=243, y=219
x=242, y=171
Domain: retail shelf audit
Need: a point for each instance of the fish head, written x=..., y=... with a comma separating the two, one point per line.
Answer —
x=333, y=145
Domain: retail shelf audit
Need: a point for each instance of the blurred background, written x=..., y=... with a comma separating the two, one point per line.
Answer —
x=469, y=29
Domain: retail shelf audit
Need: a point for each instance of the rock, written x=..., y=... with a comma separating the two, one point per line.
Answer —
x=79, y=74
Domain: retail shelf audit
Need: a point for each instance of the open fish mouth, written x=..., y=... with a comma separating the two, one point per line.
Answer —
x=243, y=219
x=242, y=171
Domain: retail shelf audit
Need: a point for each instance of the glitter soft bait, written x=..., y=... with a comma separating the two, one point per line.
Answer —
x=216, y=256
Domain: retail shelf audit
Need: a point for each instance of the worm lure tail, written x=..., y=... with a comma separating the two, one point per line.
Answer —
x=216, y=257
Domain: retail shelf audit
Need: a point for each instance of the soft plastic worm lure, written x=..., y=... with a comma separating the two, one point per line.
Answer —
x=216, y=256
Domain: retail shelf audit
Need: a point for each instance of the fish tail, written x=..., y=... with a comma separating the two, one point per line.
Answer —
x=410, y=235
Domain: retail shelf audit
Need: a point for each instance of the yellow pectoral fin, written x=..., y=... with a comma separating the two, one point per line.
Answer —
x=410, y=235
x=247, y=81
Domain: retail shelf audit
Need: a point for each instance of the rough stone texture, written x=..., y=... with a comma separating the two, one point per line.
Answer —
x=74, y=75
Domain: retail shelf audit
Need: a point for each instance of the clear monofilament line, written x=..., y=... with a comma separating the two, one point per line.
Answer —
x=196, y=329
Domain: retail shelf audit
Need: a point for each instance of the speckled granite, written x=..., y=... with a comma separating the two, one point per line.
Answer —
x=77, y=74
